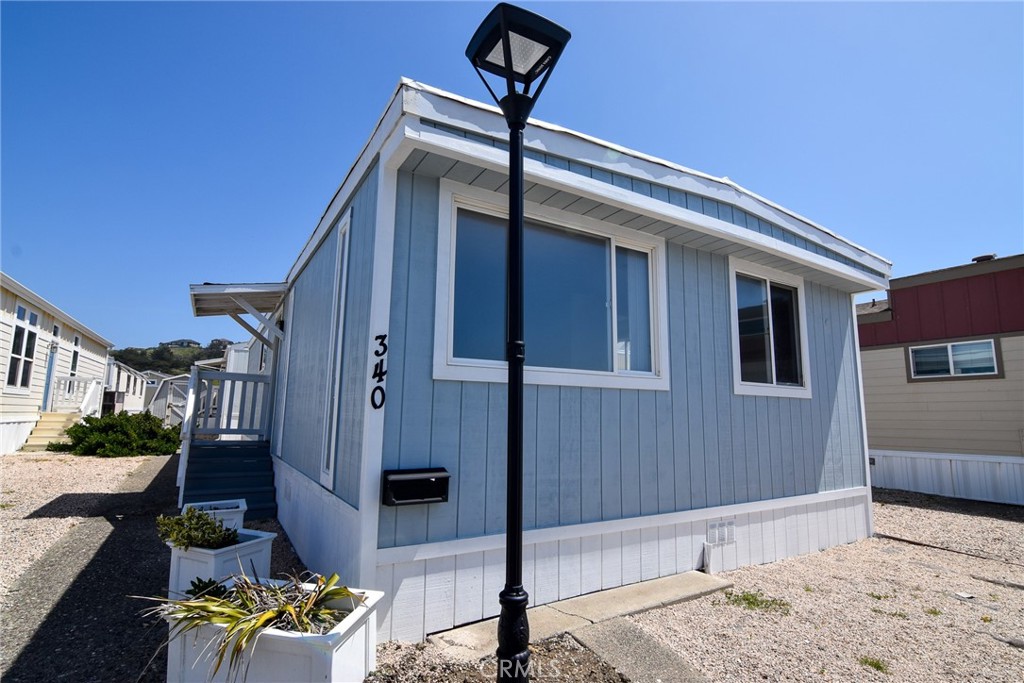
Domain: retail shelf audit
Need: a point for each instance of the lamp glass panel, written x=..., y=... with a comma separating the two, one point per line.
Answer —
x=525, y=53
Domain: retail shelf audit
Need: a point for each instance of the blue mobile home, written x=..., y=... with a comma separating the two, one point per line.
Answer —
x=693, y=392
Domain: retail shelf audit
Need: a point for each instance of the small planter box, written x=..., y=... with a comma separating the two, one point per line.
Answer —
x=231, y=512
x=252, y=550
x=346, y=653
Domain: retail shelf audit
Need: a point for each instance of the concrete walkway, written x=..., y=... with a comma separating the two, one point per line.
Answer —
x=597, y=620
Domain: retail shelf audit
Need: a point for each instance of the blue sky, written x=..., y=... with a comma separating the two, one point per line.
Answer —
x=146, y=146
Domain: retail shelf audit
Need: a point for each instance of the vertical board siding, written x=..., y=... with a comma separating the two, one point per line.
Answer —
x=356, y=341
x=603, y=454
x=309, y=352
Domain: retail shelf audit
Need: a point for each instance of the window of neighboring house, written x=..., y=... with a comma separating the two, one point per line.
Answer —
x=954, y=360
x=769, y=338
x=589, y=301
x=23, y=348
x=263, y=357
x=74, y=356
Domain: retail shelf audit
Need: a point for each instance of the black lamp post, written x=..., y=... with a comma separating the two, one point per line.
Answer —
x=520, y=47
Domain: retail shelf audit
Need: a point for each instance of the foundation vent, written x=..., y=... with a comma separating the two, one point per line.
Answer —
x=721, y=532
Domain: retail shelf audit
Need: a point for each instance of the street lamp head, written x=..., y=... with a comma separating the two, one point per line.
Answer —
x=520, y=47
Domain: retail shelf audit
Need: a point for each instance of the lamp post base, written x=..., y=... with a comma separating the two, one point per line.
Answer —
x=513, y=636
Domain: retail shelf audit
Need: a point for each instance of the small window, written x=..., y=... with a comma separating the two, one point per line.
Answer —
x=768, y=334
x=954, y=360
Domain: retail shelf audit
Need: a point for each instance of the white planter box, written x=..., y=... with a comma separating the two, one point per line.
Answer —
x=253, y=549
x=231, y=512
x=348, y=652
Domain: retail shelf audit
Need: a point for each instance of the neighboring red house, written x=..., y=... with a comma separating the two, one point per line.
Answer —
x=943, y=365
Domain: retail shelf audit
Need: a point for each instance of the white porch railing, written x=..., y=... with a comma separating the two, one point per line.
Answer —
x=83, y=395
x=222, y=404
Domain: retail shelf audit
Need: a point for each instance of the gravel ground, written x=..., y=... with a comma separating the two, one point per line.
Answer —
x=560, y=659
x=30, y=481
x=887, y=601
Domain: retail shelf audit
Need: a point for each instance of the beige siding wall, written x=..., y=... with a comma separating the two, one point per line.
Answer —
x=982, y=416
x=91, y=363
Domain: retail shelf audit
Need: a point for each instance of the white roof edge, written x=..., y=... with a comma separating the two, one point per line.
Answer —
x=113, y=361
x=27, y=294
x=238, y=287
x=423, y=87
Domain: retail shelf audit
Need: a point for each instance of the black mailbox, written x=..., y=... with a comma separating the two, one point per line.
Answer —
x=415, y=487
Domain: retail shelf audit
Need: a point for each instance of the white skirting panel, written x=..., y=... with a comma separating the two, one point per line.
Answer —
x=995, y=478
x=14, y=434
x=436, y=586
x=323, y=528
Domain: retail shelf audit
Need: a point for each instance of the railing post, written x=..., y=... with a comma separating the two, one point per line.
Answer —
x=187, y=420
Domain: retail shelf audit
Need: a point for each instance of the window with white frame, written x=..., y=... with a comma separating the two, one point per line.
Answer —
x=23, y=348
x=769, y=332
x=591, y=301
x=958, y=359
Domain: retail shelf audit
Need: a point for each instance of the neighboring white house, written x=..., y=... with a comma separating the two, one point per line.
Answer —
x=153, y=379
x=692, y=385
x=52, y=363
x=125, y=389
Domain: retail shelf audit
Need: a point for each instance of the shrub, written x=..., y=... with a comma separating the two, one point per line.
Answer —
x=119, y=434
x=195, y=528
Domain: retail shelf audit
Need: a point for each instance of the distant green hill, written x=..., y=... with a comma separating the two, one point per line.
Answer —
x=168, y=359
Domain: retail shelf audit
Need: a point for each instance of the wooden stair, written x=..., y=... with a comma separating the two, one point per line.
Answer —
x=50, y=427
x=222, y=470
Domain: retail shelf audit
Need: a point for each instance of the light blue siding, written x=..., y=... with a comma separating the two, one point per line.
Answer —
x=600, y=454
x=356, y=342
x=307, y=385
x=302, y=440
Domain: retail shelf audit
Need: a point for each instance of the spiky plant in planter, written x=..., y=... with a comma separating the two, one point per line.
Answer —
x=229, y=621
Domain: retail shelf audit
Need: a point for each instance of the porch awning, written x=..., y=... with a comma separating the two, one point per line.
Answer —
x=255, y=298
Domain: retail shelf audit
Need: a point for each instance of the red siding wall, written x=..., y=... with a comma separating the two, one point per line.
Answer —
x=992, y=303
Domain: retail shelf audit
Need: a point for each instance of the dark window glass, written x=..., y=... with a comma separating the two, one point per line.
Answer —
x=12, y=372
x=17, y=345
x=74, y=363
x=479, y=325
x=633, y=310
x=26, y=373
x=30, y=345
x=567, y=299
x=752, y=309
x=786, y=335
x=567, y=294
x=932, y=361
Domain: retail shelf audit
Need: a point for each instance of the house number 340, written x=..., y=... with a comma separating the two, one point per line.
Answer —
x=377, y=395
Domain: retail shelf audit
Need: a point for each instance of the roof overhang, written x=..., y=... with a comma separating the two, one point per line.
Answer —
x=233, y=300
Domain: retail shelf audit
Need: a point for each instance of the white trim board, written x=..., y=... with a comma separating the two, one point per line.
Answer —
x=427, y=551
x=394, y=151
x=969, y=457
